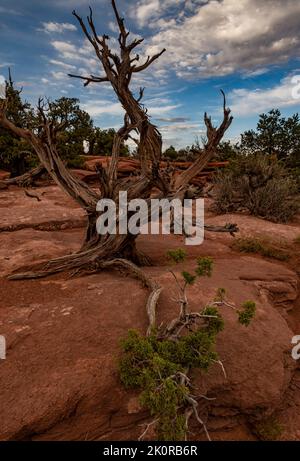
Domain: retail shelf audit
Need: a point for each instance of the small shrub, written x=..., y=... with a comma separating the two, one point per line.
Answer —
x=269, y=429
x=297, y=240
x=260, y=185
x=159, y=364
x=204, y=267
x=177, y=256
x=153, y=366
x=188, y=278
x=247, y=314
x=259, y=246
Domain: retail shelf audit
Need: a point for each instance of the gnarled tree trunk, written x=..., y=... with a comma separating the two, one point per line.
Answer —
x=96, y=249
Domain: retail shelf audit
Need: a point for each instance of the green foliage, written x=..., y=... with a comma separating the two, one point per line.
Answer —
x=226, y=151
x=157, y=363
x=275, y=135
x=170, y=153
x=16, y=155
x=177, y=256
x=101, y=143
x=216, y=322
x=188, y=278
x=154, y=366
x=248, y=312
x=78, y=127
x=260, y=246
x=204, y=267
x=269, y=429
x=258, y=184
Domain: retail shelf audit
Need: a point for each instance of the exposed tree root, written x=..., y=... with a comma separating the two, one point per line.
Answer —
x=116, y=263
x=46, y=226
x=147, y=281
x=31, y=195
x=26, y=179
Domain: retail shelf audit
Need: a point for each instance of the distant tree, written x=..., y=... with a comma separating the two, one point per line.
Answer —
x=78, y=127
x=275, y=135
x=170, y=153
x=182, y=154
x=102, y=143
x=16, y=154
x=259, y=184
x=227, y=151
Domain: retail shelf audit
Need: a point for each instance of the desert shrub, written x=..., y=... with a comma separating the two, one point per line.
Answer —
x=247, y=313
x=258, y=184
x=177, y=256
x=261, y=246
x=159, y=364
x=295, y=173
x=297, y=240
x=268, y=429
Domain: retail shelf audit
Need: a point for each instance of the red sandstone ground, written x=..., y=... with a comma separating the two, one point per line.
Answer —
x=60, y=380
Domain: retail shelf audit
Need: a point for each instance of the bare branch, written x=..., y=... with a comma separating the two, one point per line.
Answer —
x=123, y=33
x=148, y=62
x=214, y=136
x=222, y=367
x=90, y=79
x=194, y=405
x=148, y=425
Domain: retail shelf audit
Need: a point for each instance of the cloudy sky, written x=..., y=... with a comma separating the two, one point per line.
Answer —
x=249, y=48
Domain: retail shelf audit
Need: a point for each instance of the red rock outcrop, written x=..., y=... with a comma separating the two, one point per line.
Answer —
x=60, y=381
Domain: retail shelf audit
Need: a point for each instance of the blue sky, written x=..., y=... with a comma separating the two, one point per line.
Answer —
x=249, y=48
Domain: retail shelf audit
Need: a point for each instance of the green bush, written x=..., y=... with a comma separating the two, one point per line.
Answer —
x=154, y=366
x=297, y=240
x=259, y=246
x=248, y=312
x=258, y=184
x=158, y=364
x=177, y=256
x=269, y=429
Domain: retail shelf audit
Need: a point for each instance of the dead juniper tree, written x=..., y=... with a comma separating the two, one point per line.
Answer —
x=106, y=251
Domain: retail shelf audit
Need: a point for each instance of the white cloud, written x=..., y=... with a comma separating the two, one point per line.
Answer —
x=245, y=102
x=158, y=110
x=100, y=107
x=62, y=64
x=255, y=73
x=57, y=75
x=222, y=37
x=180, y=127
x=82, y=54
x=146, y=10
x=57, y=27
x=6, y=64
x=65, y=48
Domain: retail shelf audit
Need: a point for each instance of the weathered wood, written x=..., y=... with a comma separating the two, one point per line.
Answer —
x=118, y=71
